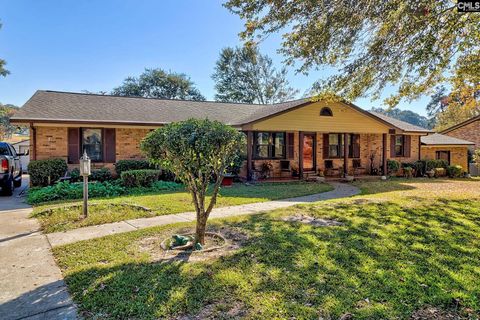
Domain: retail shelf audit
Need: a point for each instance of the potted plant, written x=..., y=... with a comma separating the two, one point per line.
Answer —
x=294, y=168
x=408, y=172
x=228, y=179
x=265, y=169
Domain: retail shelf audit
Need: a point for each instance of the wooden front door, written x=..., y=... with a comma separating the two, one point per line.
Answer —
x=308, y=152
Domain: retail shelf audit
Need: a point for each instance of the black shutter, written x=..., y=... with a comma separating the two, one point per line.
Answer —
x=392, y=146
x=290, y=145
x=73, y=145
x=407, y=145
x=356, y=145
x=109, y=145
x=326, y=142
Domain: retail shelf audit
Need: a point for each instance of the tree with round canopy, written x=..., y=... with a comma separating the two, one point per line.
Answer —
x=197, y=152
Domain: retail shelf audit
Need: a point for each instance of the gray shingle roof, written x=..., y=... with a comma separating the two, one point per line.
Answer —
x=50, y=105
x=441, y=139
x=81, y=107
x=400, y=124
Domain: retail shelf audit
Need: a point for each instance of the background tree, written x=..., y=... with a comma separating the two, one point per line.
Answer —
x=6, y=112
x=462, y=101
x=245, y=75
x=413, y=45
x=3, y=71
x=156, y=83
x=406, y=115
x=197, y=152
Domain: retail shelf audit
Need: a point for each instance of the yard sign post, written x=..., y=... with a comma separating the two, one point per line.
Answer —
x=85, y=172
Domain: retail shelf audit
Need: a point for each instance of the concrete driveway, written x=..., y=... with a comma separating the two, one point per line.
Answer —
x=31, y=284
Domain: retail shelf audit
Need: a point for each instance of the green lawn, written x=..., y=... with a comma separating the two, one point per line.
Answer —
x=403, y=245
x=167, y=202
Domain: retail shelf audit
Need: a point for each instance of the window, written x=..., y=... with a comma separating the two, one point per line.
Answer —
x=4, y=149
x=399, y=145
x=92, y=143
x=335, y=145
x=443, y=155
x=326, y=112
x=335, y=142
x=269, y=145
x=13, y=151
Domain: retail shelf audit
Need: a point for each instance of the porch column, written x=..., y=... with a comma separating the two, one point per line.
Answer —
x=300, y=154
x=33, y=142
x=384, y=154
x=249, y=155
x=345, y=154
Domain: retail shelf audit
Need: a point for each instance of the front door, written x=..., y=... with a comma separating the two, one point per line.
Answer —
x=308, y=152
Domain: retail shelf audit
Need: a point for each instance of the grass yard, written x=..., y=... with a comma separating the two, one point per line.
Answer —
x=168, y=202
x=404, y=245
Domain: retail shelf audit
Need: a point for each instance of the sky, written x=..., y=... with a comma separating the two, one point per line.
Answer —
x=68, y=45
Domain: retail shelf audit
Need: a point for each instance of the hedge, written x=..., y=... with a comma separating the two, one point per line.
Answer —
x=139, y=178
x=66, y=190
x=69, y=191
x=433, y=164
x=127, y=165
x=46, y=172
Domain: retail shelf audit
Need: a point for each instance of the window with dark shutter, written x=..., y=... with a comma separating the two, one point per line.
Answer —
x=400, y=145
x=269, y=145
x=73, y=145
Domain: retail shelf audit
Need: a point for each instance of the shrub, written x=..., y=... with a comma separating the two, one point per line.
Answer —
x=101, y=175
x=419, y=167
x=393, y=166
x=66, y=190
x=157, y=186
x=454, y=171
x=435, y=163
x=75, y=175
x=439, y=172
x=127, y=165
x=139, y=178
x=45, y=172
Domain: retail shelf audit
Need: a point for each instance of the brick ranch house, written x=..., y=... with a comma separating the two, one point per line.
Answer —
x=297, y=137
x=467, y=130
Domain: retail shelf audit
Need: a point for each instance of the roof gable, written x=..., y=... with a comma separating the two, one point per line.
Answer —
x=461, y=124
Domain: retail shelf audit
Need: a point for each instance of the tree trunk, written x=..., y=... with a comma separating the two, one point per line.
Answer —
x=200, y=229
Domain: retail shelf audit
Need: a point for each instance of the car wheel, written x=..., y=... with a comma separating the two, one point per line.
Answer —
x=18, y=183
x=8, y=188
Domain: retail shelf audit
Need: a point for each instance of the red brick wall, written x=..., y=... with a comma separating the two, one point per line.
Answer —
x=469, y=132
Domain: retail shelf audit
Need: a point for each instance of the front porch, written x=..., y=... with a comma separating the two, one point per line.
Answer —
x=284, y=156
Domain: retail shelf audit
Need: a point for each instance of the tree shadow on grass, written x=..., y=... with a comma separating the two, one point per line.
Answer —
x=385, y=262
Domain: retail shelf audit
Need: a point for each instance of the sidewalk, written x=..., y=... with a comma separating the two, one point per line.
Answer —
x=31, y=284
x=341, y=190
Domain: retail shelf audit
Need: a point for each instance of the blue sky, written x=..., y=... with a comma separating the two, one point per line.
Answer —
x=93, y=45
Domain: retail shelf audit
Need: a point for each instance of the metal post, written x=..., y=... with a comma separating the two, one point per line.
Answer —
x=85, y=172
x=85, y=196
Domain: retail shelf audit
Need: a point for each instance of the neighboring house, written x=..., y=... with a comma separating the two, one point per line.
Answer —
x=22, y=147
x=453, y=150
x=468, y=130
x=296, y=136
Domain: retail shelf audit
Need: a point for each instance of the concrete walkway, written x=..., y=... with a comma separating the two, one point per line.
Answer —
x=60, y=238
x=31, y=284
